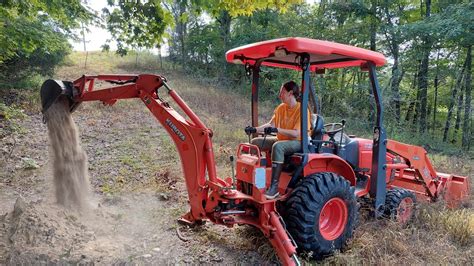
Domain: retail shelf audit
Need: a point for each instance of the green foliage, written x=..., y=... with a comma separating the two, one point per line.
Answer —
x=33, y=36
x=243, y=8
x=9, y=116
x=397, y=28
x=38, y=49
x=136, y=24
x=456, y=23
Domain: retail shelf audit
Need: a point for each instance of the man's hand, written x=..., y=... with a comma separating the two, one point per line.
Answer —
x=269, y=130
x=250, y=130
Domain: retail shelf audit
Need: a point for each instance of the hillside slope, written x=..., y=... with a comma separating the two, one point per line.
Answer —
x=138, y=190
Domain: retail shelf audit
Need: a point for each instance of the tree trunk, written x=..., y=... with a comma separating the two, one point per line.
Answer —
x=373, y=25
x=436, y=83
x=423, y=74
x=411, y=106
x=161, y=58
x=423, y=89
x=467, y=105
x=354, y=75
x=452, y=100
x=373, y=33
x=224, y=31
x=182, y=28
x=393, y=37
x=416, y=115
x=136, y=59
x=457, y=124
x=84, y=41
x=342, y=84
x=322, y=7
x=397, y=76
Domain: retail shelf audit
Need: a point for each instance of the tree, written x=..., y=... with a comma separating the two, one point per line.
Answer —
x=33, y=35
x=425, y=48
x=135, y=24
x=466, y=134
x=456, y=26
x=223, y=11
x=394, y=15
x=180, y=12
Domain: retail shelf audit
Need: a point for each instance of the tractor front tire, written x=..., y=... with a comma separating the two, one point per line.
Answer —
x=400, y=205
x=321, y=214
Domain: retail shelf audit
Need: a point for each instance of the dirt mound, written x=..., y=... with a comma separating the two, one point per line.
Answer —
x=71, y=178
x=35, y=233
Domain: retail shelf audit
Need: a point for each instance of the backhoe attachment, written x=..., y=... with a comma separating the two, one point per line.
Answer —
x=52, y=89
x=210, y=197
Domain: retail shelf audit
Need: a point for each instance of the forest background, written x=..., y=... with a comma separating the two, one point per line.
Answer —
x=426, y=84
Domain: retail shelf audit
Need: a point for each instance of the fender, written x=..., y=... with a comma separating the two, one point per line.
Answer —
x=326, y=162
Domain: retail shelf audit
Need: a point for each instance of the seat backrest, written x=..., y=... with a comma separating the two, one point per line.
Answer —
x=317, y=127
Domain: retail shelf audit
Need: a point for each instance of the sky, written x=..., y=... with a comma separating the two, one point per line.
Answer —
x=97, y=36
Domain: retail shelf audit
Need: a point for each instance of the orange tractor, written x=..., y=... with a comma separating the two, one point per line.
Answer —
x=320, y=186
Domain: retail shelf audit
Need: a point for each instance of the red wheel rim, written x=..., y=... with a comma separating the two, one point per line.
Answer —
x=333, y=219
x=405, y=210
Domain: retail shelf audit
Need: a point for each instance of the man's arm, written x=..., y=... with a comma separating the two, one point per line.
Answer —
x=262, y=127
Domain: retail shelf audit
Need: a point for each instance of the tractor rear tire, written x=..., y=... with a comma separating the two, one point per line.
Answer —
x=321, y=214
x=400, y=205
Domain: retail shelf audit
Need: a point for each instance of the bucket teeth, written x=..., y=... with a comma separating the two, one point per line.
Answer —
x=52, y=89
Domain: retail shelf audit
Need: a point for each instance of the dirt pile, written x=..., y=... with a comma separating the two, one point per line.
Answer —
x=35, y=233
x=71, y=179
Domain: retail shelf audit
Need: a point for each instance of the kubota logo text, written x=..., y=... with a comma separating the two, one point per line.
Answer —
x=175, y=129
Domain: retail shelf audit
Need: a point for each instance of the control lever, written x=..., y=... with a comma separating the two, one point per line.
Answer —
x=343, y=122
x=231, y=158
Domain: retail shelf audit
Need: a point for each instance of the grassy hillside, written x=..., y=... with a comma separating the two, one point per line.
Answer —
x=227, y=112
x=130, y=152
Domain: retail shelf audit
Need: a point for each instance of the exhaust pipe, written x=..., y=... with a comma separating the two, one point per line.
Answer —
x=52, y=89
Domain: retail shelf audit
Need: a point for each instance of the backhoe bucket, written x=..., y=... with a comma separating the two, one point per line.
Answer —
x=52, y=89
x=456, y=190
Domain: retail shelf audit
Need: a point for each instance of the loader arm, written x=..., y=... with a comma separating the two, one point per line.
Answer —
x=417, y=174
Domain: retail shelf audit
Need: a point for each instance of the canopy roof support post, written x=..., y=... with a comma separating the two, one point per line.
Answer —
x=305, y=66
x=255, y=81
x=379, y=149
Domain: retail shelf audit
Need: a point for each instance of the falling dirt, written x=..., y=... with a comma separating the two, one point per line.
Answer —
x=71, y=178
x=137, y=226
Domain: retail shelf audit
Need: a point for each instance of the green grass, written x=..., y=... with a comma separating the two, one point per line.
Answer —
x=12, y=116
x=458, y=224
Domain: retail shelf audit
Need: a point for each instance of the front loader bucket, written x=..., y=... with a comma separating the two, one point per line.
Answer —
x=52, y=89
x=456, y=191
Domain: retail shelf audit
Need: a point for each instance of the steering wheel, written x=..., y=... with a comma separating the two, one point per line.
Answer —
x=333, y=128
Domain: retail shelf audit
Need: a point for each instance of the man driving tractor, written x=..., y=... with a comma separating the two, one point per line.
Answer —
x=286, y=122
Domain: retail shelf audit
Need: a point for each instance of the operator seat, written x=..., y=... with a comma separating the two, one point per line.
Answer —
x=317, y=126
x=317, y=132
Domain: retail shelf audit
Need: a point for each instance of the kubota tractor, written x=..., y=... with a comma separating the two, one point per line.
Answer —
x=319, y=186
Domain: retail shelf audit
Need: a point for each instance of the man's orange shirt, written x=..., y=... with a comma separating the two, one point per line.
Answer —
x=288, y=118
